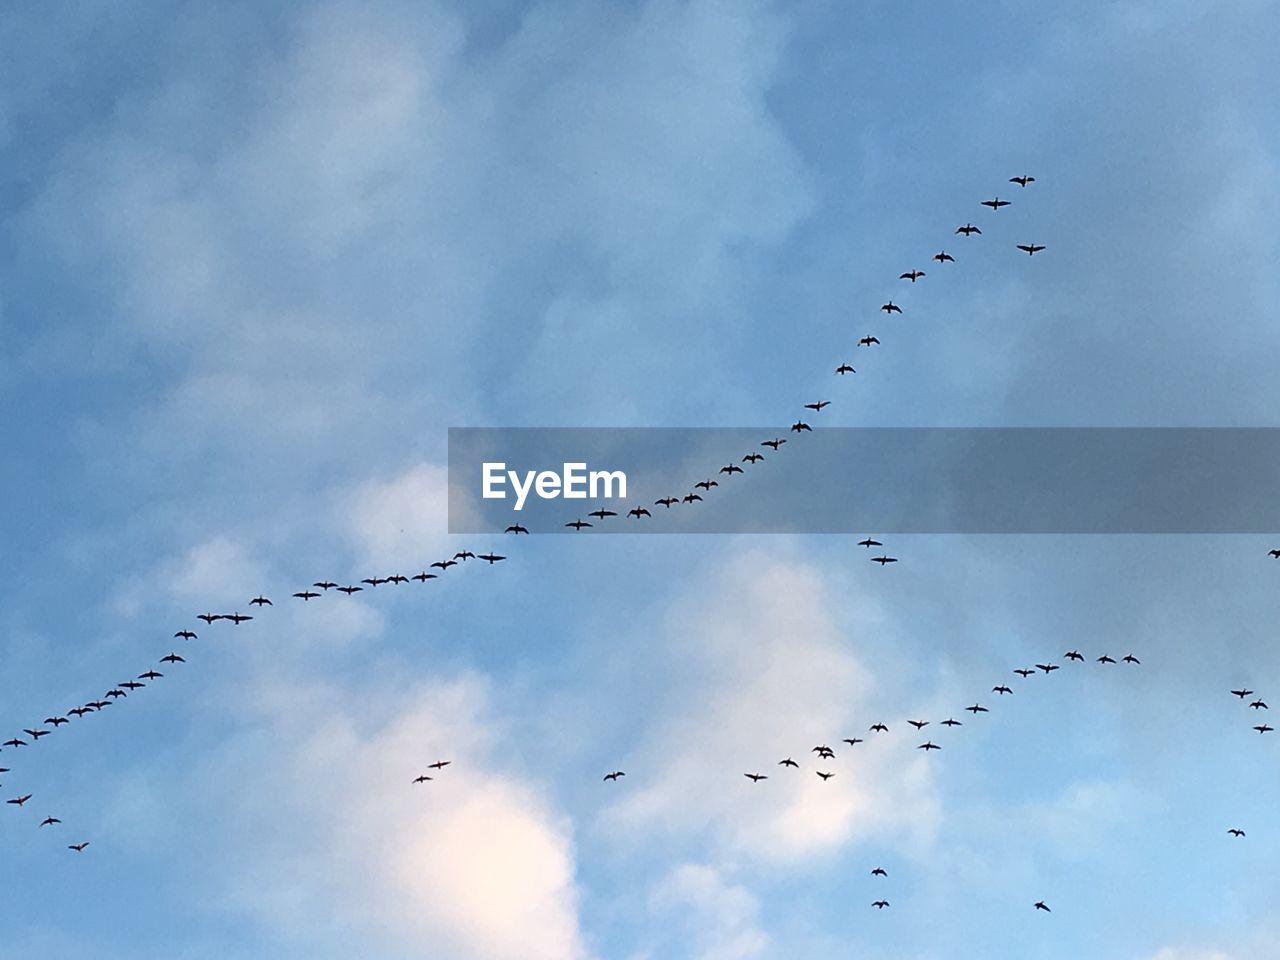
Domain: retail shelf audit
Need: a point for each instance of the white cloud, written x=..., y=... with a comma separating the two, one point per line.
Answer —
x=721, y=918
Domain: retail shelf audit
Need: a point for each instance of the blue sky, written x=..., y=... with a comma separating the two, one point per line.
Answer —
x=256, y=258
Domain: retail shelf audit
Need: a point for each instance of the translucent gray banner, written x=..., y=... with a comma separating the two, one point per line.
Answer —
x=866, y=479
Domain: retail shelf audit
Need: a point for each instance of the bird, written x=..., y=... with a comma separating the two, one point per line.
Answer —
x=601, y=514
x=261, y=601
x=35, y=734
x=996, y=204
x=869, y=341
x=879, y=872
x=1256, y=705
x=491, y=558
x=1047, y=667
x=943, y=257
x=825, y=776
x=49, y=821
x=421, y=778
x=445, y=564
x=1242, y=693
x=1040, y=905
x=1130, y=658
x=952, y=723
x=890, y=307
x=667, y=502
x=1074, y=655
x=823, y=751
x=516, y=528
x=81, y=711
x=306, y=595
x=114, y=693
x=912, y=275
x=880, y=904
x=209, y=617
x=869, y=543
x=1031, y=248
x=800, y=426
x=755, y=777
x=1022, y=181
x=1024, y=673
x=15, y=743
x=1275, y=553
x=928, y=745
x=788, y=763
x=324, y=584
x=614, y=775
x=237, y=618
x=172, y=658
x=977, y=708
x=374, y=581
x=775, y=443
x=439, y=764
x=349, y=590
x=852, y=741
x=817, y=407
x=690, y=497
x=968, y=229
x=731, y=469
x=753, y=457
x=883, y=560
x=919, y=724
x=1106, y=659
x=423, y=577
x=707, y=484
x=56, y=721
x=577, y=524
x=638, y=512
x=185, y=635
x=78, y=847
x=1236, y=832
x=397, y=578
x=845, y=368
x=19, y=801
x=1001, y=689
x=150, y=675
x=879, y=728
x=1263, y=728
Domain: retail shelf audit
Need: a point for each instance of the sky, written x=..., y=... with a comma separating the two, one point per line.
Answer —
x=257, y=258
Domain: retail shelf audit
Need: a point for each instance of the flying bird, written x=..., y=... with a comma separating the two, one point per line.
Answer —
x=852, y=741
x=1106, y=659
x=1263, y=728
x=845, y=368
x=150, y=675
x=614, y=775
x=1001, y=689
x=172, y=658
x=667, y=502
x=952, y=723
x=996, y=204
x=788, y=763
x=516, y=528
x=690, y=497
x=816, y=407
x=324, y=584
x=638, y=512
x=374, y=581
x=775, y=443
x=800, y=426
x=237, y=618
x=879, y=728
x=869, y=342
x=439, y=764
x=1022, y=181
x=78, y=847
x=601, y=514
x=880, y=904
x=491, y=558
x=1274, y=553
x=731, y=469
x=755, y=777
x=1242, y=693
x=577, y=524
x=19, y=801
x=1236, y=832
x=879, y=872
x=890, y=307
x=1130, y=658
x=928, y=745
x=1040, y=905
x=1031, y=248
x=185, y=635
x=913, y=275
x=869, y=543
x=968, y=230
x=1256, y=705
x=919, y=724
x=306, y=595
x=445, y=564
x=209, y=617
x=464, y=555
x=49, y=821
x=1074, y=655
x=1047, y=667
x=421, y=778
x=825, y=776
x=349, y=590
x=56, y=721
x=35, y=734
x=261, y=601
x=883, y=560
x=423, y=577
x=943, y=257
x=707, y=484
x=977, y=708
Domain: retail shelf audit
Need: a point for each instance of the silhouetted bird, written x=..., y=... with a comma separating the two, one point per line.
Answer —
x=1235, y=832
x=731, y=469
x=601, y=514
x=852, y=741
x=1242, y=693
x=880, y=904
x=78, y=847
x=1130, y=658
x=348, y=590
x=913, y=275
x=445, y=564
x=968, y=229
x=306, y=595
x=172, y=658
x=775, y=443
x=1274, y=553
x=150, y=675
x=1106, y=659
x=1024, y=673
x=996, y=204
x=869, y=342
x=919, y=724
x=845, y=368
x=879, y=872
x=578, y=524
x=1040, y=905
x=491, y=558
x=324, y=584
x=943, y=257
x=261, y=601
x=209, y=617
x=422, y=778
x=1022, y=181
x=1001, y=689
x=516, y=528
x=707, y=484
x=755, y=777
x=19, y=801
x=788, y=763
x=879, y=728
x=800, y=426
x=1031, y=248
x=1263, y=728
x=237, y=618
x=638, y=512
x=614, y=775
x=883, y=560
x=869, y=543
x=928, y=745
x=952, y=723
x=691, y=497
x=890, y=307
x=817, y=407
x=667, y=502
x=1074, y=655
x=464, y=555
x=1256, y=705
x=185, y=635
x=977, y=708
x=825, y=776
x=1047, y=667
x=49, y=821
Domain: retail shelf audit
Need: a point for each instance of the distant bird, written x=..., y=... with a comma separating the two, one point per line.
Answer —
x=852, y=741
x=1106, y=659
x=1236, y=832
x=977, y=708
x=115, y=693
x=1022, y=181
x=800, y=427
x=883, y=560
x=968, y=230
x=1040, y=905
x=185, y=635
x=446, y=564
x=943, y=257
x=912, y=275
x=707, y=484
x=691, y=497
x=788, y=763
x=817, y=407
x=879, y=728
x=869, y=543
x=261, y=601
x=491, y=558
x=1130, y=658
x=349, y=590
x=919, y=724
x=928, y=745
x=775, y=443
x=237, y=618
x=1047, y=667
x=397, y=578
x=753, y=457
x=823, y=751
x=81, y=711
x=1001, y=689
x=209, y=617
x=601, y=514
x=19, y=801
x=306, y=595
x=952, y=723
x=15, y=743
x=1024, y=673
x=78, y=847
x=731, y=469
x=825, y=776
x=1242, y=693
x=667, y=502
x=324, y=584
x=614, y=775
x=150, y=675
x=1256, y=705
x=1074, y=655
x=869, y=342
x=879, y=872
x=464, y=555
x=755, y=777
x=880, y=904
x=49, y=821
x=996, y=204
x=423, y=577
x=578, y=524
x=374, y=581
x=422, y=778
x=845, y=368
x=1274, y=553
x=35, y=734
x=1263, y=728
x=56, y=721
x=890, y=307
x=1031, y=248
x=439, y=764
x=172, y=658
x=638, y=512
x=516, y=528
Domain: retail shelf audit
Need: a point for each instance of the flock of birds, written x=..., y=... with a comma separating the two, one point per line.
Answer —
x=123, y=690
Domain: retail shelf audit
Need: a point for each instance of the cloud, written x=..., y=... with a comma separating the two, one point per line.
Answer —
x=721, y=919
